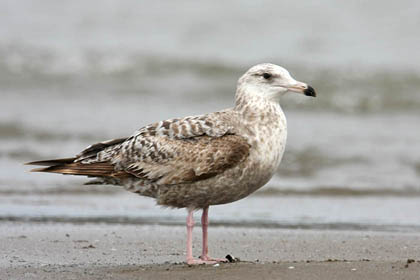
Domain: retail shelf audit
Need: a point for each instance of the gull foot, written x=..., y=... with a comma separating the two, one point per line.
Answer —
x=207, y=258
x=200, y=261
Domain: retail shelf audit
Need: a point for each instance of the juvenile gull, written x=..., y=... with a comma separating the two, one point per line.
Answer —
x=198, y=161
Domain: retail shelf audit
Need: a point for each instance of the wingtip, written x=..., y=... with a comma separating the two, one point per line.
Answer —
x=41, y=169
x=51, y=162
x=38, y=162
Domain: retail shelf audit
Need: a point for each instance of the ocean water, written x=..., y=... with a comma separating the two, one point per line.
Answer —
x=79, y=72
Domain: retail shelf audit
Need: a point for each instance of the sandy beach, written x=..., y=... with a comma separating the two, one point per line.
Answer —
x=102, y=251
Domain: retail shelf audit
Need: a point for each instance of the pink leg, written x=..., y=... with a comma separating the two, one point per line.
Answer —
x=204, y=225
x=190, y=226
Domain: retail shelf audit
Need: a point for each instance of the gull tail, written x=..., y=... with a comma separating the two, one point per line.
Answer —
x=68, y=166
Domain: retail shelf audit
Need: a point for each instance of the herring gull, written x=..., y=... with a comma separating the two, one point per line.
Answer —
x=198, y=161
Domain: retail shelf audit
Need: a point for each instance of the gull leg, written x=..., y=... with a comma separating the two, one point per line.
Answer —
x=204, y=225
x=190, y=226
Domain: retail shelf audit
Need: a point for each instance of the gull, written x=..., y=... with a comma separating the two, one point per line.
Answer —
x=198, y=161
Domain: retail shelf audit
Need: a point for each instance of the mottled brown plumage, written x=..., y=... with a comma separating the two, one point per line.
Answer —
x=171, y=152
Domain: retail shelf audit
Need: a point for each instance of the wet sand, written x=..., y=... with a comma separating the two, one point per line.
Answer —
x=102, y=251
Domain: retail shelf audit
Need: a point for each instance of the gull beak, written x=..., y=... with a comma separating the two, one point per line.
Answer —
x=302, y=88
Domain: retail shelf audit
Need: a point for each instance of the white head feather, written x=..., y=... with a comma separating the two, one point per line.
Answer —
x=270, y=82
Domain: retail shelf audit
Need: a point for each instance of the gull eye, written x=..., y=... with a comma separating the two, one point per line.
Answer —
x=267, y=76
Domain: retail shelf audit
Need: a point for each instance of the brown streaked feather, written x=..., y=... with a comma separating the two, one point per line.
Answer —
x=187, y=161
x=169, y=152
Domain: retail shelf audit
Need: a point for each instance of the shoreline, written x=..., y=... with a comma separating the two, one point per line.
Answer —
x=282, y=270
x=96, y=251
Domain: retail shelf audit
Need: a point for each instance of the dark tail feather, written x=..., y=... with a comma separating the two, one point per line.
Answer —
x=51, y=162
x=75, y=168
x=67, y=166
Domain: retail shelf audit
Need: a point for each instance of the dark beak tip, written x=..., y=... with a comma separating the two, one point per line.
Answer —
x=310, y=91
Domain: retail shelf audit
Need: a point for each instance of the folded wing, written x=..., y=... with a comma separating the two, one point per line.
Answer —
x=169, y=152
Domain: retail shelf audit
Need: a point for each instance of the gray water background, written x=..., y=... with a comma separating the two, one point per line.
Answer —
x=74, y=73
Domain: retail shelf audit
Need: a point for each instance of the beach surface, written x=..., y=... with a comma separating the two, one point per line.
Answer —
x=116, y=251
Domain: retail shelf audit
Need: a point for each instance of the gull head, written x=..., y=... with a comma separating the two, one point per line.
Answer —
x=271, y=81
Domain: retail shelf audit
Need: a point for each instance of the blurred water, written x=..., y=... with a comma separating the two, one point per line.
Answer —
x=72, y=73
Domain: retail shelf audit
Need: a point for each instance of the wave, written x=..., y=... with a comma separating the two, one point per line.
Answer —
x=341, y=191
x=340, y=89
x=15, y=130
x=57, y=188
x=171, y=221
x=308, y=161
